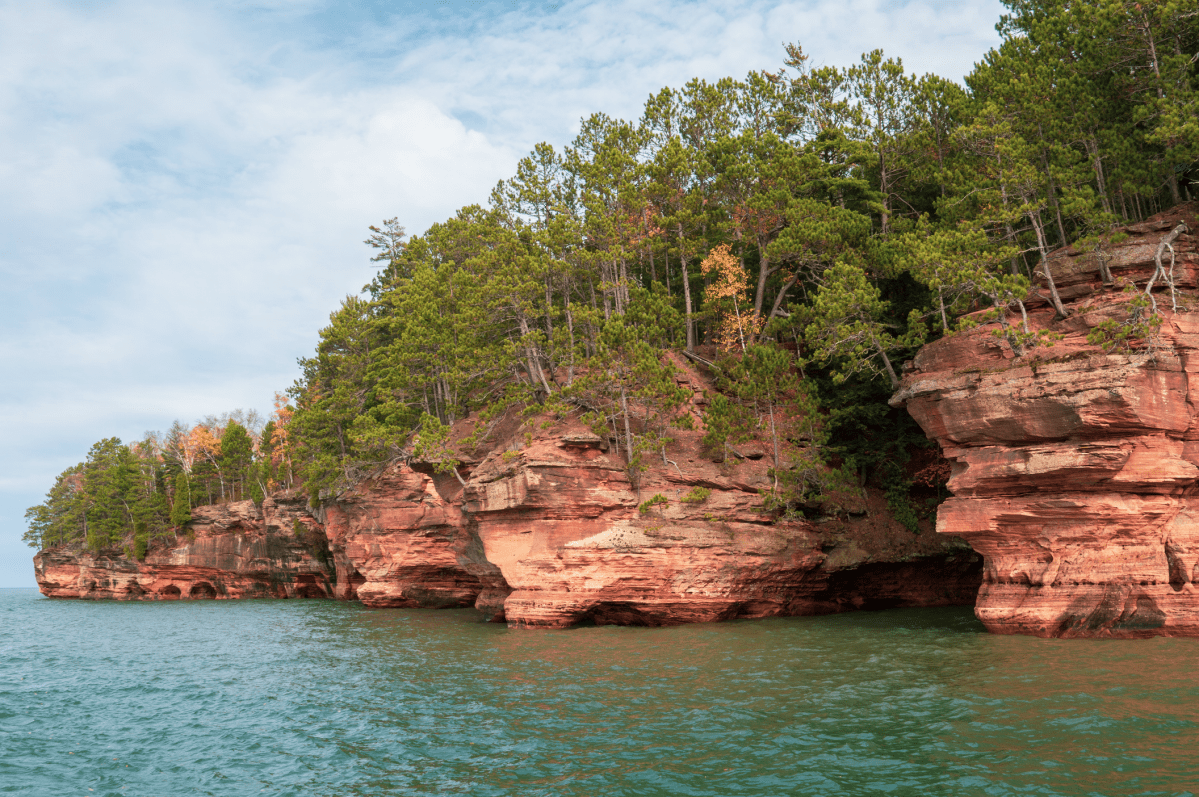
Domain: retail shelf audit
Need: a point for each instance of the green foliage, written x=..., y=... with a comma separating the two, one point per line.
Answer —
x=657, y=500
x=899, y=501
x=630, y=388
x=256, y=493
x=1138, y=326
x=236, y=457
x=871, y=441
x=857, y=210
x=181, y=507
x=432, y=444
x=696, y=495
x=727, y=422
x=846, y=326
x=141, y=540
x=868, y=208
x=102, y=501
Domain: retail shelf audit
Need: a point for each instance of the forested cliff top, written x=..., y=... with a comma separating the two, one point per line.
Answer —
x=799, y=232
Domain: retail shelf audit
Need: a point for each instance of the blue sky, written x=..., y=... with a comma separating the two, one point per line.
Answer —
x=185, y=187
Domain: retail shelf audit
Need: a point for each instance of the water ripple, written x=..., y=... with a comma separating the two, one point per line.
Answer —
x=321, y=698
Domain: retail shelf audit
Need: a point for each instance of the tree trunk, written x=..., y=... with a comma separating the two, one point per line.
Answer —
x=1161, y=95
x=774, y=436
x=666, y=260
x=1166, y=243
x=782, y=294
x=1054, y=297
x=1052, y=187
x=763, y=275
x=887, y=363
x=882, y=182
x=1092, y=145
x=570, y=329
x=628, y=439
x=624, y=268
x=686, y=292
x=1007, y=226
x=606, y=285
x=536, y=374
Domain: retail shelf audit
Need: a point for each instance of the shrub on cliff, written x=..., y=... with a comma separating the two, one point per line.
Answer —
x=141, y=540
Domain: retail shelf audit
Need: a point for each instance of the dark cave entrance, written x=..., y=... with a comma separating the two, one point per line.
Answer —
x=202, y=591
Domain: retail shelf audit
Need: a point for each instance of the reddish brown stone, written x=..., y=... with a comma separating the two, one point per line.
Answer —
x=547, y=533
x=398, y=542
x=238, y=551
x=1075, y=471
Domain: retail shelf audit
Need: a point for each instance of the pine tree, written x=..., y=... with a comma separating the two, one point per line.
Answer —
x=181, y=507
x=237, y=454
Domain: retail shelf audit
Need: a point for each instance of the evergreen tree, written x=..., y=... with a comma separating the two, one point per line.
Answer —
x=181, y=507
x=842, y=211
x=236, y=457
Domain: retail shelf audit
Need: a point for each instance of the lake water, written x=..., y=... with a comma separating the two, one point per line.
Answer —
x=324, y=698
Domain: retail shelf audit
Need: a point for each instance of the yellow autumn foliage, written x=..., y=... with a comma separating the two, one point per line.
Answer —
x=735, y=325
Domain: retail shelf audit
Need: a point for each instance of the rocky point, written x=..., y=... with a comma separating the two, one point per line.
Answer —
x=1075, y=469
x=547, y=531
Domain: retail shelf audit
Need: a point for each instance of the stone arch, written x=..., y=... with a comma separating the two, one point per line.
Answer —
x=170, y=593
x=310, y=591
x=616, y=613
x=202, y=590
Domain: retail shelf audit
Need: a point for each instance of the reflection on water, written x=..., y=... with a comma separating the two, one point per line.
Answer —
x=321, y=698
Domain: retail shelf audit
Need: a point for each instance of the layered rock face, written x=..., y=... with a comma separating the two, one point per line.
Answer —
x=547, y=532
x=1076, y=471
x=235, y=550
x=401, y=539
x=559, y=520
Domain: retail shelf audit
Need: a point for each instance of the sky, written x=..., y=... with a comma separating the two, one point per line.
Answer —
x=185, y=187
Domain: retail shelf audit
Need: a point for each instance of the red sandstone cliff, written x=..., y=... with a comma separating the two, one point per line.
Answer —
x=545, y=533
x=1076, y=471
x=235, y=550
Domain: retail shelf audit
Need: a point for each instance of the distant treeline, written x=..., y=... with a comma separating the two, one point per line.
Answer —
x=130, y=494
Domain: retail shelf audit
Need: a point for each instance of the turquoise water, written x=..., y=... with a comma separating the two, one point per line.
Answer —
x=323, y=698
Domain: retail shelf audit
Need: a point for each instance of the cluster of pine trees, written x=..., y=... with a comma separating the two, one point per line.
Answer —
x=130, y=494
x=846, y=214
x=806, y=228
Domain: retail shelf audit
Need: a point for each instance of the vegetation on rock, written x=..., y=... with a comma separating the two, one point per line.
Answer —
x=799, y=232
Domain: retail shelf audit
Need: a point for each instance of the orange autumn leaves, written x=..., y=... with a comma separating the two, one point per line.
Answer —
x=735, y=324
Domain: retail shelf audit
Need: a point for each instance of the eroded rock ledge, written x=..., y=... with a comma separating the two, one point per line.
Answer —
x=235, y=550
x=1075, y=472
x=545, y=533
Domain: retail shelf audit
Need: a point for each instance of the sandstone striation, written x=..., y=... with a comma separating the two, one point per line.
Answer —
x=548, y=532
x=235, y=550
x=560, y=521
x=398, y=541
x=1075, y=470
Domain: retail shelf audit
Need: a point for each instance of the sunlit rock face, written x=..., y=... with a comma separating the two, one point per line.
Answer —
x=548, y=531
x=236, y=550
x=400, y=539
x=554, y=510
x=561, y=522
x=1076, y=472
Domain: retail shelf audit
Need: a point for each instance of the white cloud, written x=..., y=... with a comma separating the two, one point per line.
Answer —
x=185, y=189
